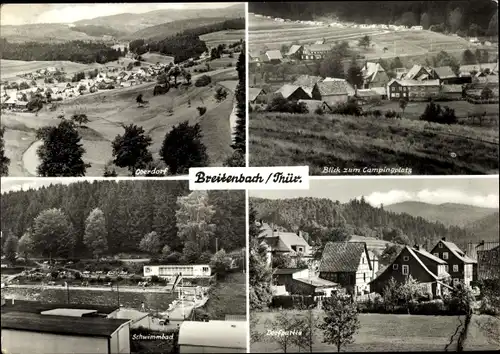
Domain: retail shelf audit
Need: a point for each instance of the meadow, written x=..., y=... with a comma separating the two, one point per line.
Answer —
x=223, y=37
x=399, y=333
x=108, y=110
x=280, y=139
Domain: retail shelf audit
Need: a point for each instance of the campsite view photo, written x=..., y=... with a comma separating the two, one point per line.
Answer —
x=407, y=265
x=113, y=89
x=363, y=87
x=137, y=266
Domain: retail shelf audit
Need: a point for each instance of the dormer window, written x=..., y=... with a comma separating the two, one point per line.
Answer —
x=440, y=245
x=395, y=266
x=406, y=258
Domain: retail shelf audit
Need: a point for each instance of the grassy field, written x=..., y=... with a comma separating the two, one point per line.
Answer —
x=11, y=69
x=154, y=58
x=152, y=301
x=223, y=37
x=228, y=297
x=107, y=110
x=381, y=332
x=278, y=139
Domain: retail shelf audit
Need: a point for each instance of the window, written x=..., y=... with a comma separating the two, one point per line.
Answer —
x=456, y=281
x=440, y=245
x=446, y=267
x=436, y=254
x=393, y=89
x=445, y=255
x=405, y=269
x=364, y=277
x=362, y=260
x=455, y=267
x=395, y=266
x=406, y=258
x=396, y=95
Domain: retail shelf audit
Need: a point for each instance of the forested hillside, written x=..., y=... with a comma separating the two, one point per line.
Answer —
x=451, y=15
x=96, y=30
x=131, y=210
x=487, y=228
x=327, y=220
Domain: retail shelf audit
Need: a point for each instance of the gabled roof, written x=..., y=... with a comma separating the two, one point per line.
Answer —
x=413, y=72
x=370, y=69
x=312, y=105
x=275, y=244
x=253, y=92
x=307, y=81
x=293, y=49
x=430, y=256
x=274, y=55
x=331, y=88
x=317, y=282
x=444, y=72
x=342, y=257
x=287, y=90
x=458, y=252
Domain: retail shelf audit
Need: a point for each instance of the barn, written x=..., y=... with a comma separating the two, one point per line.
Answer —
x=293, y=93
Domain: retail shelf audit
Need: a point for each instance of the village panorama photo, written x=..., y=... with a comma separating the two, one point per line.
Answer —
x=376, y=265
x=374, y=87
x=130, y=267
x=121, y=89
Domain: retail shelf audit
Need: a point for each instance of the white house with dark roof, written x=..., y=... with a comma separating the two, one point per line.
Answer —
x=460, y=266
x=301, y=281
x=332, y=92
x=274, y=56
x=295, y=51
x=315, y=51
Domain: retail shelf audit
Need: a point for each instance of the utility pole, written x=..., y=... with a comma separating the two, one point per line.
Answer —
x=216, y=245
x=67, y=289
x=118, y=292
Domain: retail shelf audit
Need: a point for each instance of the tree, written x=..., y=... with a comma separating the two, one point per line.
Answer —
x=486, y=93
x=81, y=119
x=425, y=20
x=61, y=154
x=408, y=19
x=340, y=322
x=281, y=261
x=402, y=104
x=364, y=42
x=10, y=248
x=150, y=243
x=175, y=72
x=468, y=57
x=194, y=216
x=310, y=323
x=166, y=250
x=131, y=149
x=109, y=171
x=455, y=19
x=162, y=79
x=220, y=262
x=493, y=25
x=95, y=233
x=332, y=66
x=25, y=246
x=52, y=233
x=183, y=148
x=220, y=94
x=288, y=326
x=389, y=254
x=354, y=75
x=4, y=160
x=187, y=77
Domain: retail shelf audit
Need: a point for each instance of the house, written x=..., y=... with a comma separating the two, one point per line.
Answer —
x=293, y=92
x=472, y=248
x=61, y=330
x=460, y=266
x=446, y=76
x=173, y=270
x=453, y=92
x=414, y=262
x=374, y=75
x=367, y=95
x=418, y=72
x=348, y=264
x=295, y=51
x=308, y=83
x=256, y=95
x=412, y=90
x=488, y=263
x=302, y=282
x=315, y=105
x=213, y=337
x=331, y=92
x=274, y=56
x=315, y=51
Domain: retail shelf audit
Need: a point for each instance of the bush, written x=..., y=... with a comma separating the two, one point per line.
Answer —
x=434, y=113
x=319, y=111
x=78, y=276
x=351, y=108
x=390, y=114
x=203, y=81
x=292, y=301
x=280, y=104
x=201, y=110
x=155, y=279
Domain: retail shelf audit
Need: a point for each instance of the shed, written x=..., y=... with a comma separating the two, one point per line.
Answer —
x=293, y=92
x=256, y=94
x=213, y=337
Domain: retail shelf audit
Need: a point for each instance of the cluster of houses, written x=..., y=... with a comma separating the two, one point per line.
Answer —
x=353, y=267
x=416, y=84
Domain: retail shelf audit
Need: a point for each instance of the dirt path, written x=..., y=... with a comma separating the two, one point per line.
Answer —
x=30, y=158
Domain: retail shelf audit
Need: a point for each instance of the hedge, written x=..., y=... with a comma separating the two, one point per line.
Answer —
x=292, y=301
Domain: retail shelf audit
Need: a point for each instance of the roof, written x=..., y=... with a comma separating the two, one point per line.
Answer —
x=379, y=90
x=288, y=271
x=287, y=90
x=458, y=252
x=68, y=312
x=452, y=88
x=312, y=105
x=367, y=93
x=342, y=257
x=415, y=82
x=307, y=81
x=444, y=72
x=331, y=88
x=293, y=49
x=317, y=48
x=370, y=69
x=220, y=334
x=276, y=244
x=38, y=307
x=79, y=326
x=413, y=72
x=430, y=256
x=274, y=55
x=317, y=282
x=486, y=246
x=253, y=92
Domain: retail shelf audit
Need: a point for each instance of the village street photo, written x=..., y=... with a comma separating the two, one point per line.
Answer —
x=121, y=89
x=136, y=266
x=374, y=87
x=378, y=265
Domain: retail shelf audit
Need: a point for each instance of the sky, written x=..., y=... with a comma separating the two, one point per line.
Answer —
x=482, y=192
x=20, y=14
x=17, y=184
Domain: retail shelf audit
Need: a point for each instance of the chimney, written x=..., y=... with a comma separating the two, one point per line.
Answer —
x=417, y=247
x=443, y=238
x=12, y=301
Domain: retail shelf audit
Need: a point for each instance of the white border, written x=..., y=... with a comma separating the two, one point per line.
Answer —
x=247, y=135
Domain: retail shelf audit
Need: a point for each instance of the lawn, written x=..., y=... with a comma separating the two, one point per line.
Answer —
x=228, y=297
x=223, y=37
x=281, y=139
x=382, y=332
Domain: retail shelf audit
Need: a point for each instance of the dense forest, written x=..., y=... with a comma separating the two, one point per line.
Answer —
x=453, y=15
x=96, y=30
x=131, y=210
x=185, y=44
x=76, y=51
x=324, y=218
